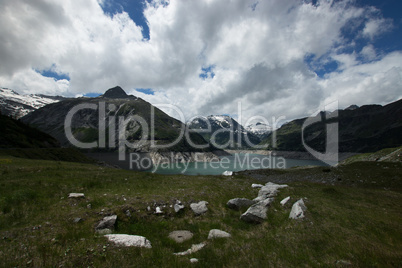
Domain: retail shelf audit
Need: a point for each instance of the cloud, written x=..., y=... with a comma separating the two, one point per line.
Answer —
x=258, y=50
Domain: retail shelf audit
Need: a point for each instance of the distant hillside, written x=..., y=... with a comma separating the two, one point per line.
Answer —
x=222, y=129
x=362, y=129
x=384, y=155
x=85, y=123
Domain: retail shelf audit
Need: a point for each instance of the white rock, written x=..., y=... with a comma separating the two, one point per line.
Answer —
x=227, y=173
x=158, y=210
x=181, y=235
x=193, y=260
x=285, y=200
x=129, y=240
x=269, y=190
x=178, y=206
x=216, y=233
x=200, y=207
x=298, y=210
x=76, y=195
x=255, y=185
x=194, y=248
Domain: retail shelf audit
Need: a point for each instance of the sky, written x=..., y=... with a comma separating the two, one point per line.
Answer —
x=272, y=58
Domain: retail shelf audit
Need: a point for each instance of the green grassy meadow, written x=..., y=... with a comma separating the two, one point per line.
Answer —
x=356, y=218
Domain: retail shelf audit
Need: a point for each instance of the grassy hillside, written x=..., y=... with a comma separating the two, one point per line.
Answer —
x=385, y=155
x=355, y=216
x=15, y=134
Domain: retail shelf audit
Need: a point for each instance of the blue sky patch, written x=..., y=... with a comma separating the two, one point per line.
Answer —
x=54, y=75
x=135, y=10
x=207, y=72
x=147, y=91
x=92, y=95
x=321, y=66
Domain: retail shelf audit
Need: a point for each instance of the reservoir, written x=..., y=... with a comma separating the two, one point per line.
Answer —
x=235, y=162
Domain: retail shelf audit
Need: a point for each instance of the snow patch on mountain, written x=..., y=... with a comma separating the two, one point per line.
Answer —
x=17, y=106
x=259, y=129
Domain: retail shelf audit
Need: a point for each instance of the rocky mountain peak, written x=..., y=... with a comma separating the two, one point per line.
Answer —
x=115, y=93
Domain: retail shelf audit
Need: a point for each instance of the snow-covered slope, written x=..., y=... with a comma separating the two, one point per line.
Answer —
x=259, y=129
x=225, y=132
x=17, y=106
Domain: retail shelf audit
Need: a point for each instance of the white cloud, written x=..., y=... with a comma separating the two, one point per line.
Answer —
x=376, y=27
x=259, y=56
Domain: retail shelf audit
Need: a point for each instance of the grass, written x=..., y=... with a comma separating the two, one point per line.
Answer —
x=349, y=219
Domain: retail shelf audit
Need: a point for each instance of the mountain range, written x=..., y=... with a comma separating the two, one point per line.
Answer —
x=361, y=129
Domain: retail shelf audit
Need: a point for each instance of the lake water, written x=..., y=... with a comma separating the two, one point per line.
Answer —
x=236, y=162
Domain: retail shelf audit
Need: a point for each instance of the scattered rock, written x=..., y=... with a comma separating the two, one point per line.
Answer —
x=227, y=173
x=77, y=220
x=199, y=208
x=178, y=206
x=76, y=195
x=298, y=210
x=158, y=210
x=269, y=190
x=181, y=235
x=285, y=200
x=257, y=213
x=193, y=260
x=216, y=233
x=342, y=263
x=237, y=203
x=104, y=231
x=148, y=208
x=255, y=185
x=89, y=206
x=128, y=213
x=194, y=248
x=106, y=223
x=129, y=240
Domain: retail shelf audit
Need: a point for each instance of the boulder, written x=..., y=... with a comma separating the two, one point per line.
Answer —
x=199, y=208
x=193, y=260
x=178, y=206
x=269, y=190
x=77, y=220
x=255, y=185
x=181, y=235
x=238, y=203
x=298, y=210
x=106, y=223
x=76, y=195
x=158, y=210
x=285, y=200
x=257, y=213
x=194, y=248
x=216, y=233
x=129, y=240
x=227, y=173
